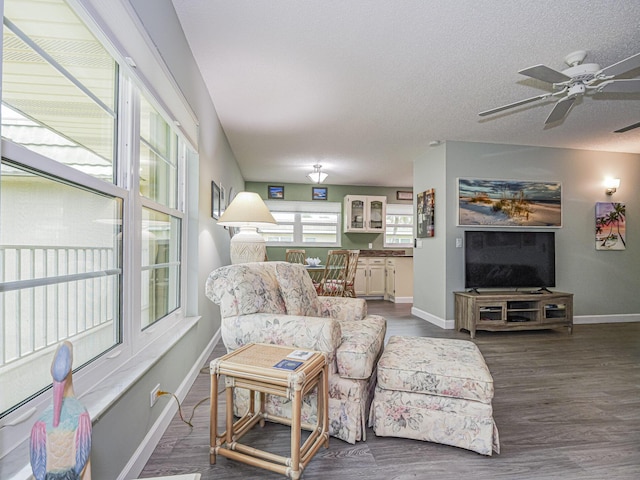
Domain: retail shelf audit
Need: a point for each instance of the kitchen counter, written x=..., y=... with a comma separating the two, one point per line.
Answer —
x=386, y=253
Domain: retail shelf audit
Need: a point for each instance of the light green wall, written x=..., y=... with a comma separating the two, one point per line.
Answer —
x=604, y=282
x=335, y=193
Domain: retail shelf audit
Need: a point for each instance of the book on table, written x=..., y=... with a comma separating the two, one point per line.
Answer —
x=286, y=364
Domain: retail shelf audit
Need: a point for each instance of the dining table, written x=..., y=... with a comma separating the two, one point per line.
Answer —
x=315, y=272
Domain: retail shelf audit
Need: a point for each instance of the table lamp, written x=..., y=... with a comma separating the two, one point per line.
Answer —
x=247, y=211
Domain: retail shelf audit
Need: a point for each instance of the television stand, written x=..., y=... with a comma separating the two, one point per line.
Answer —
x=499, y=311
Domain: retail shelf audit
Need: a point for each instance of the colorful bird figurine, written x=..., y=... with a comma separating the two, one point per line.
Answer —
x=61, y=438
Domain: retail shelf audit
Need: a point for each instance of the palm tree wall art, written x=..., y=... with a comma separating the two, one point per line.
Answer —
x=610, y=226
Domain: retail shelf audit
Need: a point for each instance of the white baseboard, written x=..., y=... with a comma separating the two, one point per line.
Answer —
x=437, y=321
x=577, y=320
x=593, y=319
x=142, y=454
x=402, y=299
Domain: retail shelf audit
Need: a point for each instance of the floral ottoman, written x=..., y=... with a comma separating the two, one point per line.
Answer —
x=435, y=389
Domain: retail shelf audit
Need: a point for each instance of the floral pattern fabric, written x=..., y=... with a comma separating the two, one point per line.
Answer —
x=361, y=342
x=349, y=402
x=439, y=366
x=312, y=333
x=439, y=390
x=243, y=289
x=297, y=290
x=266, y=303
x=343, y=308
x=450, y=421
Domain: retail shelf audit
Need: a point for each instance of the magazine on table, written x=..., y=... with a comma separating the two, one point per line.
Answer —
x=301, y=354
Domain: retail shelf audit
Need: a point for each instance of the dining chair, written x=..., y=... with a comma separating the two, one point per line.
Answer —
x=333, y=281
x=295, y=256
x=350, y=276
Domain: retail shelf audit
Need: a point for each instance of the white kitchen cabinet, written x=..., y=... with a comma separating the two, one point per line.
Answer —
x=399, y=279
x=364, y=213
x=370, y=277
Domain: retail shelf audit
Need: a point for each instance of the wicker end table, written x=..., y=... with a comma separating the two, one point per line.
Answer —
x=252, y=367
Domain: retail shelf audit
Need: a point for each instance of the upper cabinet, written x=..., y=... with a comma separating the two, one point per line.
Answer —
x=364, y=213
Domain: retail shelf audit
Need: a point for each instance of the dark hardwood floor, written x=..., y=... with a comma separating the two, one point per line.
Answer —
x=566, y=406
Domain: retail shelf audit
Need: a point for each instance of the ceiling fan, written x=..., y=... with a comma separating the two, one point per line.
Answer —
x=577, y=80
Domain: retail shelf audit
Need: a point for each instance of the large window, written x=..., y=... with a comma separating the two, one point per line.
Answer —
x=158, y=157
x=312, y=224
x=60, y=274
x=160, y=223
x=58, y=87
x=160, y=265
x=398, y=230
x=91, y=225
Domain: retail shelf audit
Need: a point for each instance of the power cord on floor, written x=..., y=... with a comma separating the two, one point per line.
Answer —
x=193, y=412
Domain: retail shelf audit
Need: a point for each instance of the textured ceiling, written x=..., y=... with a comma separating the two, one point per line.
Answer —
x=364, y=86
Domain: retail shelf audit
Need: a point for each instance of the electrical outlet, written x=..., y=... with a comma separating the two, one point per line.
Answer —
x=153, y=395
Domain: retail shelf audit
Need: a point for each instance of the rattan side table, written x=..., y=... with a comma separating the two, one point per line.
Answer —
x=252, y=367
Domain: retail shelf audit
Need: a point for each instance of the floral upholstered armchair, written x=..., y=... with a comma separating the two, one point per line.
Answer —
x=276, y=302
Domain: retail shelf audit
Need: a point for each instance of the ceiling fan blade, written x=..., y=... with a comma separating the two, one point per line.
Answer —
x=627, y=128
x=561, y=110
x=622, y=66
x=620, y=86
x=544, y=73
x=514, y=104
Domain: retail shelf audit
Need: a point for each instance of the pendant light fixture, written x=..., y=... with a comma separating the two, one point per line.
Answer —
x=317, y=176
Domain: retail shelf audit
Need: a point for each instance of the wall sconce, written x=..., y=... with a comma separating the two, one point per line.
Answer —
x=611, y=185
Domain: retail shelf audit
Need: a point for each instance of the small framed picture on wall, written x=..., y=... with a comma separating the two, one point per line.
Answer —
x=215, y=201
x=318, y=193
x=275, y=192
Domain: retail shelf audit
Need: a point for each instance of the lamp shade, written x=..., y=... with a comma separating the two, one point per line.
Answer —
x=247, y=211
x=247, y=208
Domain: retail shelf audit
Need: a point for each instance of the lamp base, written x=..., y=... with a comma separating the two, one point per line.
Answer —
x=248, y=246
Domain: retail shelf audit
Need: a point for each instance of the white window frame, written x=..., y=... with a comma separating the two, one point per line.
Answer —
x=398, y=209
x=297, y=208
x=110, y=375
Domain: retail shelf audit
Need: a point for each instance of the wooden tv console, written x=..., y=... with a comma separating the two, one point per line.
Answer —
x=497, y=311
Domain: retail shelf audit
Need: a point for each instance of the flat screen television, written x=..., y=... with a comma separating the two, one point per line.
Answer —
x=499, y=259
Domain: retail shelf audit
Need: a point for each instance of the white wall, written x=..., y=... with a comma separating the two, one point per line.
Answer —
x=429, y=258
x=605, y=283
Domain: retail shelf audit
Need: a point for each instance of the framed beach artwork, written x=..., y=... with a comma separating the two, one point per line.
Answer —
x=275, y=192
x=426, y=213
x=318, y=193
x=611, y=226
x=509, y=203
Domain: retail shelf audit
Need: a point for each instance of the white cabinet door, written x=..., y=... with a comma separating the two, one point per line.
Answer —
x=364, y=213
x=376, y=282
x=390, y=271
x=361, y=278
x=370, y=278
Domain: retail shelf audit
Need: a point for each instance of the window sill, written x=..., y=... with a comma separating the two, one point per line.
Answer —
x=15, y=465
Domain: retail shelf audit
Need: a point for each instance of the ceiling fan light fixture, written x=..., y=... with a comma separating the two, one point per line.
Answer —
x=317, y=176
x=576, y=81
